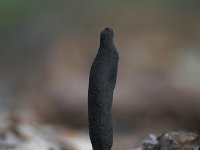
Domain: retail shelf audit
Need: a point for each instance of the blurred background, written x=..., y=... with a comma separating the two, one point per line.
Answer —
x=46, y=51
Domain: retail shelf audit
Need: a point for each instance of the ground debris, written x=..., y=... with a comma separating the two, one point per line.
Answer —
x=172, y=141
x=21, y=134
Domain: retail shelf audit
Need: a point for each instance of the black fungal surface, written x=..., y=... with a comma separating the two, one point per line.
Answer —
x=102, y=82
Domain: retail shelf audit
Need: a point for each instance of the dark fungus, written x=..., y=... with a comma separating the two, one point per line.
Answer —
x=102, y=82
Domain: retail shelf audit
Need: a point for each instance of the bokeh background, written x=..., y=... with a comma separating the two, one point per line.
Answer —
x=47, y=47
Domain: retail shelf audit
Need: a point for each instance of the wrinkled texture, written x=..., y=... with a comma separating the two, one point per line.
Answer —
x=102, y=82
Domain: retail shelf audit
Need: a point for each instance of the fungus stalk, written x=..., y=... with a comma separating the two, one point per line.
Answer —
x=102, y=82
